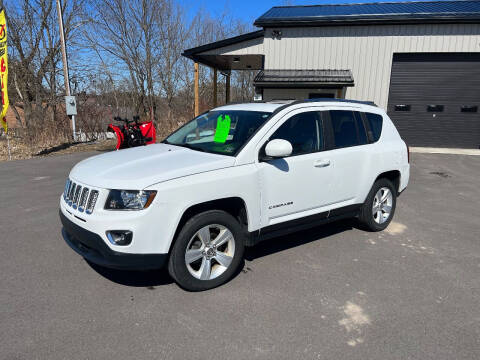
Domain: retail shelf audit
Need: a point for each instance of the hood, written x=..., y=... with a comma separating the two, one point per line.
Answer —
x=140, y=167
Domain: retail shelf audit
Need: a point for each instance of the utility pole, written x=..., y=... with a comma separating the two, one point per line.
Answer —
x=64, y=60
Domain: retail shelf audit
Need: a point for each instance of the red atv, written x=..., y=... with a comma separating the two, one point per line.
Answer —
x=133, y=133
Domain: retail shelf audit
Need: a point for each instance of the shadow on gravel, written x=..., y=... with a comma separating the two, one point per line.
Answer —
x=147, y=279
x=295, y=239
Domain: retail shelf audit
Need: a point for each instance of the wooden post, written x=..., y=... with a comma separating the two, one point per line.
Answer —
x=197, y=105
x=214, y=88
x=227, y=88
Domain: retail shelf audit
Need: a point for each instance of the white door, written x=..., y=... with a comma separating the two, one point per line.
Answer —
x=349, y=156
x=298, y=185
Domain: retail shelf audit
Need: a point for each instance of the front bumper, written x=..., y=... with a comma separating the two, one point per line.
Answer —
x=92, y=247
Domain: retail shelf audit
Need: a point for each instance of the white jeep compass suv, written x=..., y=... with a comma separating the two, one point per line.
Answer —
x=229, y=178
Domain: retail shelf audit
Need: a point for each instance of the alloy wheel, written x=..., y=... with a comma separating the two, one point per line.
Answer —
x=382, y=205
x=210, y=252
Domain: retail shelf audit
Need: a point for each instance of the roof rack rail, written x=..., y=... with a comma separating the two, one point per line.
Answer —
x=281, y=101
x=342, y=100
x=243, y=102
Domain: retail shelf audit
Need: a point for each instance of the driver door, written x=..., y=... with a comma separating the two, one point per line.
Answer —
x=298, y=185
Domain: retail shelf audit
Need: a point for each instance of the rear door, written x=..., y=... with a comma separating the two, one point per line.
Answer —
x=348, y=151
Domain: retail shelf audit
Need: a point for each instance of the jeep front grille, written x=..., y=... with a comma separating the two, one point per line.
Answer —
x=83, y=199
x=78, y=197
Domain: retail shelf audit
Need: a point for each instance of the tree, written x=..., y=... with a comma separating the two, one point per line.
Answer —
x=126, y=30
x=34, y=46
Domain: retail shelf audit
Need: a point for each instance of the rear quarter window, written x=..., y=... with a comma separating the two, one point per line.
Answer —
x=362, y=133
x=375, y=123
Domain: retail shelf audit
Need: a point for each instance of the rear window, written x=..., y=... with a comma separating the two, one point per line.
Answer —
x=375, y=122
x=345, y=129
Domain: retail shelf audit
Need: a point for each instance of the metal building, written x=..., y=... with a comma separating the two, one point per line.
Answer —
x=419, y=60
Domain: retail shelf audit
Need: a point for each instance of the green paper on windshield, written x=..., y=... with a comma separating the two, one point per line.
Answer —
x=222, y=130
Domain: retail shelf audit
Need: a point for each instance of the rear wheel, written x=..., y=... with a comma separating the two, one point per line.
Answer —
x=207, y=252
x=378, y=209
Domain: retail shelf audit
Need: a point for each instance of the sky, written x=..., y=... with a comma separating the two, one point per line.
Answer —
x=249, y=10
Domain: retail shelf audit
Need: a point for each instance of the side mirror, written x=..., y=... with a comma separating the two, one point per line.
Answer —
x=278, y=148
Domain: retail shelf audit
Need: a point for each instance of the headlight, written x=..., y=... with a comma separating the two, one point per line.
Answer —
x=129, y=199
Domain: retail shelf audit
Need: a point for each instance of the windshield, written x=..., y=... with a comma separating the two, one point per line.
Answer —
x=220, y=132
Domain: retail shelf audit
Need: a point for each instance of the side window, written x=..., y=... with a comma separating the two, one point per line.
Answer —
x=303, y=131
x=375, y=122
x=362, y=133
x=344, y=128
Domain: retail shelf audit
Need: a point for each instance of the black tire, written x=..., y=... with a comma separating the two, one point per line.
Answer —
x=366, y=217
x=177, y=266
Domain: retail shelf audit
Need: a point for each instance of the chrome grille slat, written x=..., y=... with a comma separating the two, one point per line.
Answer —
x=80, y=197
x=65, y=190
x=83, y=199
x=68, y=189
x=92, y=199
x=71, y=193
x=76, y=196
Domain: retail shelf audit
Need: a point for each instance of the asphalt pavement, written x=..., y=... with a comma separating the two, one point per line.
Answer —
x=334, y=292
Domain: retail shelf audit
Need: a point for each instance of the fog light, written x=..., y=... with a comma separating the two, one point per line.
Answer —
x=120, y=237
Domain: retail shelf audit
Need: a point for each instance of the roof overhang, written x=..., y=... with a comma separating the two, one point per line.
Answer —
x=227, y=54
x=304, y=79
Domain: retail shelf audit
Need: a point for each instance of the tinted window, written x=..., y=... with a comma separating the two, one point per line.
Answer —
x=375, y=122
x=344, y=128
x=362, y=134
x=303, y=131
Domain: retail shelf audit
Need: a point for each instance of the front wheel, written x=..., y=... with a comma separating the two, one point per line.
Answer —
x=207, y=252
x=378, y=209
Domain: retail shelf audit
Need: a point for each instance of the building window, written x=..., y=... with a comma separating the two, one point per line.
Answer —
x=469, y=108
x=435, y=108
x=403, y=107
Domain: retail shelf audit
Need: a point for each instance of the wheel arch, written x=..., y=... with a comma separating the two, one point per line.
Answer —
x=393, y=175
x=234, y=205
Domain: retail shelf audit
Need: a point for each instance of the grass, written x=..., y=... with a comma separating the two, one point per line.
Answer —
x=19, y=150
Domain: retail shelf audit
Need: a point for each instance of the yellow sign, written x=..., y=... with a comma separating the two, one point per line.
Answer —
x=3, y=69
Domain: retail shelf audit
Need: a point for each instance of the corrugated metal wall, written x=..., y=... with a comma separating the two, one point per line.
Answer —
x=366, y=50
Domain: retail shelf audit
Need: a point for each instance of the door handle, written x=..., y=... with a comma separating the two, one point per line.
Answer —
x=321, y=163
